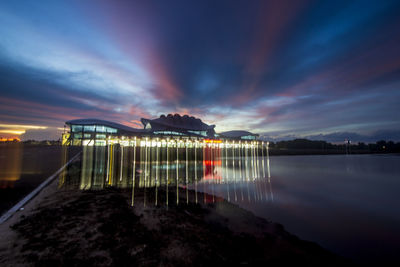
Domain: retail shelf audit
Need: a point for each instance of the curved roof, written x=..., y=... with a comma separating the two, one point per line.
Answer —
x=178, y=121
x=237, y=134
x=104, y=123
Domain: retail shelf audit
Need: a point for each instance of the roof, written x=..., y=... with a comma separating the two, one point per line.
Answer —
x=236, y=134
x=178, y=121
x=104, y=123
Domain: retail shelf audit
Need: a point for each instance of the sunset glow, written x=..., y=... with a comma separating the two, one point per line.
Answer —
x=278, y=68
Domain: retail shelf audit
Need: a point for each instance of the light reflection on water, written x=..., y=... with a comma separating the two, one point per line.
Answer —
x=10, y=165
x=242, y=172
x=24, y=165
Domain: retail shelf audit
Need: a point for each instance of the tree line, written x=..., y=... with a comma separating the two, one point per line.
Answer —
x=310, y=146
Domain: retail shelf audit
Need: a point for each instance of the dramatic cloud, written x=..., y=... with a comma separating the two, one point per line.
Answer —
x=280, y=68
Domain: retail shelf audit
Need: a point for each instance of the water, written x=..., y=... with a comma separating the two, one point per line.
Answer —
x=23, y=168
x=347, y=203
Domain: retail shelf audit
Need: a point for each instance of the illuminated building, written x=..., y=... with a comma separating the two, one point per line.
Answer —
x=240, y=135
x=97, y=132
x=170, y=152
x=94, y=132
x=179, y=125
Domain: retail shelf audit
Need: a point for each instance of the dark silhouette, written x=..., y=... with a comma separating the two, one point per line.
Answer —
x=305, y=146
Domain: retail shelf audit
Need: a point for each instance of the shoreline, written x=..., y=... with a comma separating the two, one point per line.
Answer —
x=333, y=154
x=323, y=153
x=101, y=227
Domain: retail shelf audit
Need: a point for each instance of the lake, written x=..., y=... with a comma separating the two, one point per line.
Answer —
x=348, y=204
x=23, y=167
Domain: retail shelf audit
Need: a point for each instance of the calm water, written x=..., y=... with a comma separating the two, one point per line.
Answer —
x=348, y=204
x=22, y=168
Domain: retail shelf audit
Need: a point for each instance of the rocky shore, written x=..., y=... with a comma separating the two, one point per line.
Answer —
x=100, y=227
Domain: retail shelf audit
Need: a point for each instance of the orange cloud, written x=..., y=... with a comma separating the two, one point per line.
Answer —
x=273, y=18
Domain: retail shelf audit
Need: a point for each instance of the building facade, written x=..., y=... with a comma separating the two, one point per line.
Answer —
x=179, y=125
x=89, y=132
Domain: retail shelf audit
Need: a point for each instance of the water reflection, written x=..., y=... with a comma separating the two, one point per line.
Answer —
x=10, y=165
x=235, y=172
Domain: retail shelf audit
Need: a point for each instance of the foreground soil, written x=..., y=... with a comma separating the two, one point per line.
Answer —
x=101, y=228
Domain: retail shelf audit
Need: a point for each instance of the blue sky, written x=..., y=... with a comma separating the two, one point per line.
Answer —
x=279, y=68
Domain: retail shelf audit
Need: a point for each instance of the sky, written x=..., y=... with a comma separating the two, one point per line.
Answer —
x=283, y=69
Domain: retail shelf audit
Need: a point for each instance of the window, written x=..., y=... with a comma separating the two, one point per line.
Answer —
x=248, y=137
x=100, y=143
x=100, y=136
x=168, y=133
x=87, y=135
x=76, y=128
x=203, y=133
x=78, y=135
x=111, y=130
x=89, y=128
x=87, y=143
x=100, y=129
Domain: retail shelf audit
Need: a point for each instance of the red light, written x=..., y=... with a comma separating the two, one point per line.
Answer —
x=212, y=162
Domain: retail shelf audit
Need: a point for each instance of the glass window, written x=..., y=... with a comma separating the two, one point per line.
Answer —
x=78, y=135
x=100, y=136
x=100, y=143
x=203, y=133
x=76, y=128
x=89, y=128
x=168, y=133
x=100, y=129
x=111, y=130
x=87, y=135
x=195, y=132
x=248, y=137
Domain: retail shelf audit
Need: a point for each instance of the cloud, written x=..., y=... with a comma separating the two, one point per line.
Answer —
x=266, y=66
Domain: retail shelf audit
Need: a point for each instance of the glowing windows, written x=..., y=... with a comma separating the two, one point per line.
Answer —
x=93, y=128
x=248, y=137
x=168, y=133
x=76, y=128
x=203, y=133
x=147, y=126
x=89, y=128
x=100, y=143
x=111, y=130
x=101, y=129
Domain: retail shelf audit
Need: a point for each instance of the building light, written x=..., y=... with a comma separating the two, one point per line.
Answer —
x=186, y=136
x=212, y=141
